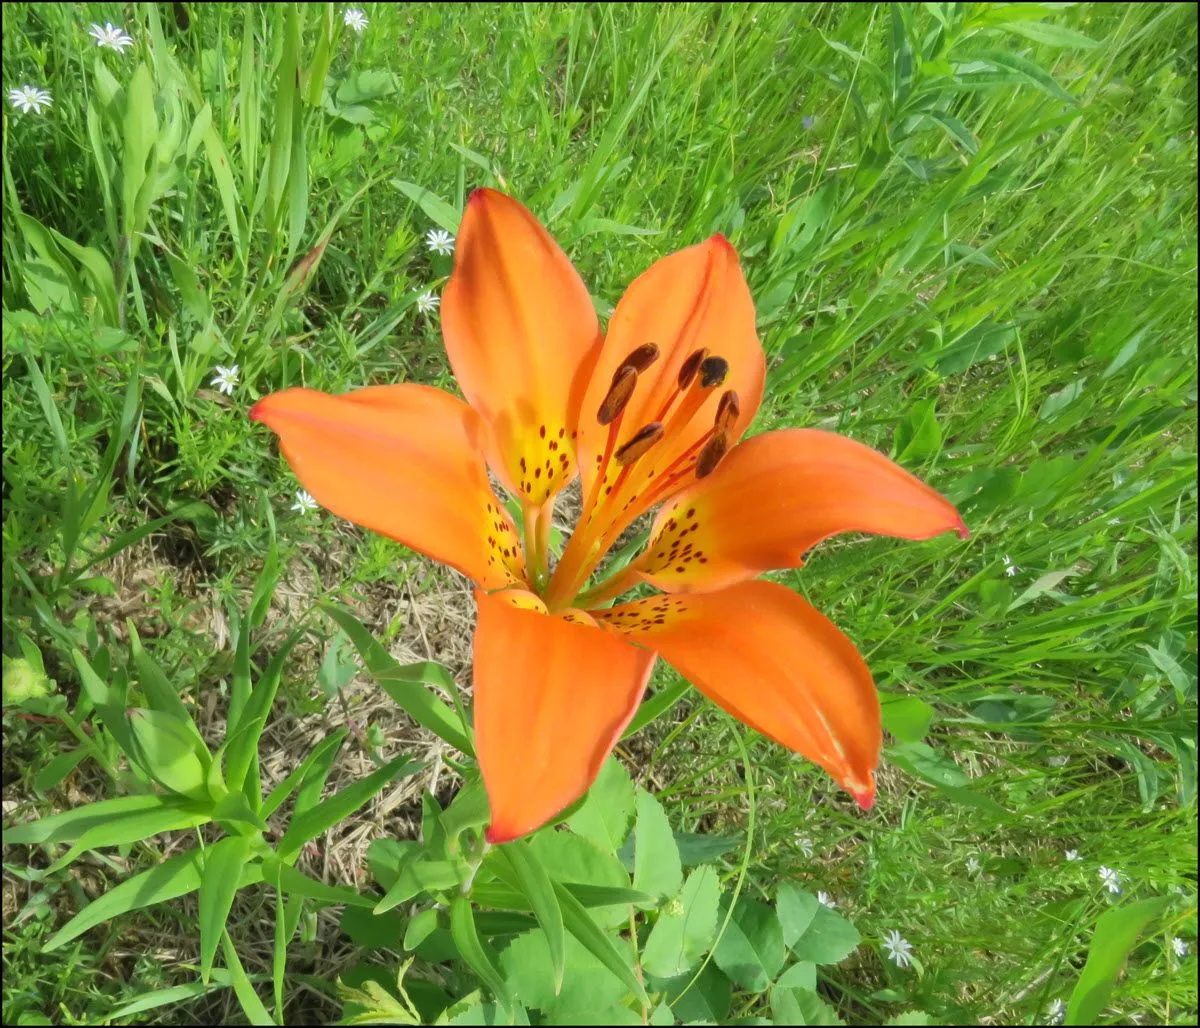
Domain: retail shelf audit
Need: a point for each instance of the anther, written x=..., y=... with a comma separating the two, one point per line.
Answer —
x=641, y=358
x=713, y=371
x=618, y=395
x=711, y=455
x=727, y=412
x=690, y=366
x=642, y=440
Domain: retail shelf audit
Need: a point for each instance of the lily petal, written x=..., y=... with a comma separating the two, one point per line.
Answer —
x=694, y=299
x=777, y=495
x=773, y=661
x=552, y=696
x=403, y=461
x=521, y=331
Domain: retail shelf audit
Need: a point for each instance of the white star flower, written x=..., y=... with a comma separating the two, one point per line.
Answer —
x=354, y=18
x=427, y=303
x=1180, y=947
x=30, y=98
x=304, y=502
x=804, y=844
x=1010, y=568
x=1073, y=855
x=973, y=865
x=826, y=900
x=440, y=241
x=899, y=950
x=110, y=36
x=1114, y=521
x=1111, y=879
x=225, y=379
x=1056, y=1013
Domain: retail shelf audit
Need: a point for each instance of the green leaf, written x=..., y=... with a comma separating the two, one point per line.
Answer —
x=906, y=717
x=1051, y=35
x=686, y=926
x=918, y=436
x=580, y=924
x=1116, y=932
x=140, y=133
x=829, y=938
x=436, y=209
x=801, y=1007
x=56, y=769
x=132, y=828
x=702, y=849
x=656, y=865
x=223, y=862
x=477, y=955
x=604, y=815
x=913, y=1017
x=174, y=877
x=572, y=858
x=531, y=878
x=287, y=879
x=247, y=998
x=751, y=950
x=406, y=684
x=587, y=984
x=419, y=928
x=252, y=718
x=706, y=1000
x=796, y=909
x=312, y=822
x=160, y=694
x=925, y=762
x=72, y=824
x=170, y=752
x=321, y=757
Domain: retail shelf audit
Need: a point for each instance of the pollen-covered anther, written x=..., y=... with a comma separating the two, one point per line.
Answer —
x=618, y=395
x=713, y=371
x=641, y=441
x=688, y=370
x=711, y=455
x=641, y=358
x=728, y=410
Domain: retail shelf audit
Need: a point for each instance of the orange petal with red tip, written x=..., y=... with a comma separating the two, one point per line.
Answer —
x=520, y=330
x=552, y=696
x=694, y=299
x=771, y=660
x=777, y=495
x=403, y=461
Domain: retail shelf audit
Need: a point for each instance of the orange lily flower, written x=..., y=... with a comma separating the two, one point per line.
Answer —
x=648, y=415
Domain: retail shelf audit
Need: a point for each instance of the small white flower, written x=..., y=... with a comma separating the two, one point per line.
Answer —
x=1111, y=879
x=110, y=36
x=1180, y=947
x=29, y=98
x=1057, y=761
x=826, y=900
x=225, y=379
x=304, y=502
x=354, y=18
x=1057, y=1011
x=440, y=241
x=1073, y=855
x=804, y=844
x=899, y=950
x=1114, y=521
x=973, y=865
x=427, y=303
x=1010, y=568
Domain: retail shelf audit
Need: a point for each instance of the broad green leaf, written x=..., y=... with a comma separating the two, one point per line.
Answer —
x=477, y=954
x=529, y=875
x=572, y=858
x=828, y=939
x=686, y=926
x=288, y=880
x=604, y=815
x=703, y=849
x=925, y=762
x=170, y=752
x=247, y=729
x=796, y=909
x=468, y=809
x=406, y=684
x=174, y=877
x=140, y=133
x=906, y=717
x=707, y=1000
x=656, y=866
x=751, y=950
x=417, y=876
x=160, y=694
x=312, y=822
x=1051, y=35
x=1116, y=932
x=587, y=984
x=419, y=927
x=56, y=769
x=223, y=863
x=171, y=997
x=801, y=1007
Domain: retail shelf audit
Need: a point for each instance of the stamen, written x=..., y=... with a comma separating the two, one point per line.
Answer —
x=641, y=358
x=690, y=366
x=713, y=371
x=727, y=411
x=711, y=455
x=641, y=441
x=618, y=395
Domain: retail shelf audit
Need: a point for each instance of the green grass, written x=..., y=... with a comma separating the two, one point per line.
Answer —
x=975, y=251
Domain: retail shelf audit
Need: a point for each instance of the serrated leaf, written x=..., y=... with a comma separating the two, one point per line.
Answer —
x=685, y=927
x=656, y=865
x=604, y=815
